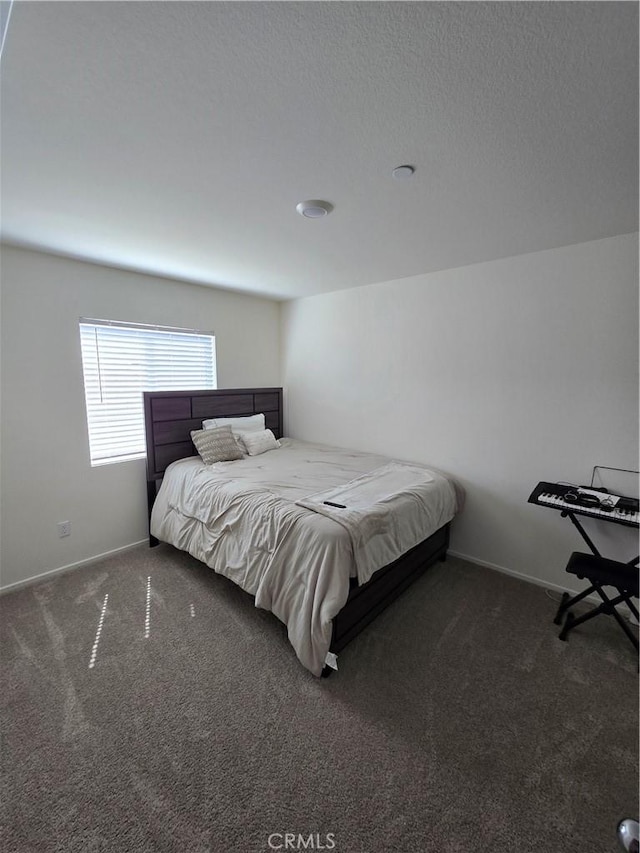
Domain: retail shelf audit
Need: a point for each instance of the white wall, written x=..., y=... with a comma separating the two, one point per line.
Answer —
x=503, y=373
x=46, y=474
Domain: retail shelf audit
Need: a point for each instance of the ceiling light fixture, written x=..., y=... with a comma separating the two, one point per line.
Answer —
x=402, y=173
x=314, y=208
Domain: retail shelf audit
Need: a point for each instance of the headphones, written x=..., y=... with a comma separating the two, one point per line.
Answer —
x=605, y=503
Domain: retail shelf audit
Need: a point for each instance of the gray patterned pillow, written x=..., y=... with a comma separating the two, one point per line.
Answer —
x=216, y=445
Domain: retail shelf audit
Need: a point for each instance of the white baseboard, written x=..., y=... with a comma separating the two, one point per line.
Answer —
x=538, y=582
x=520, y=575
x=28, y=581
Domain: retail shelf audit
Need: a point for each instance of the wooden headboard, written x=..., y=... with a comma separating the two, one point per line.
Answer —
x=171, y=415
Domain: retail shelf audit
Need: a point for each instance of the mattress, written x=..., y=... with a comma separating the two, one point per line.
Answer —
x=261, y=522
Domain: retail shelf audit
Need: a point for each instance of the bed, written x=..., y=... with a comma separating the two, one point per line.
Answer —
x=265, y=521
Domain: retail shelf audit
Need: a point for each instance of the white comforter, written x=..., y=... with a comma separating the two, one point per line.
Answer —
x=242, y=519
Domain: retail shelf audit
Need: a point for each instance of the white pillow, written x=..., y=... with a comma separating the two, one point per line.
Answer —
x=256, y=443
x=253, y=423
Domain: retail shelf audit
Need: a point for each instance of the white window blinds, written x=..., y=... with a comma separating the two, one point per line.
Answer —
x=120, y=362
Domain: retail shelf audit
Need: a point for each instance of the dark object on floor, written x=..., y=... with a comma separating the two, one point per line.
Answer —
x=629, y=835
x=600, y=572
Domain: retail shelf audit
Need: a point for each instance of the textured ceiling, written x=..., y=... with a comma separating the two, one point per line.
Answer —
x=177, y=138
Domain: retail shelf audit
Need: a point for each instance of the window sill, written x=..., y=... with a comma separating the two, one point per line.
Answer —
x=112, y=460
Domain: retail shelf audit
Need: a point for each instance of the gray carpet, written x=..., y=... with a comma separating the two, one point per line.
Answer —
x=457, y=722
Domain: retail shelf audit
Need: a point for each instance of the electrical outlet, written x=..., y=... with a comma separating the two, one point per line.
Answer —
x=64, y=528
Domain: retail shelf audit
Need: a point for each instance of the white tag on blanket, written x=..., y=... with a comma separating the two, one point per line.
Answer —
x=331, y=660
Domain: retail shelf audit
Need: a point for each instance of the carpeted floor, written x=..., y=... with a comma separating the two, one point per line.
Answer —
x=457, y=722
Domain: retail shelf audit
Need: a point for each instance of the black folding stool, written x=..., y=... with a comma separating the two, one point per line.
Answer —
x=600, y=572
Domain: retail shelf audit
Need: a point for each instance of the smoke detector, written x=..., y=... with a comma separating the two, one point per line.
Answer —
x=314, y=208
x=403, y=173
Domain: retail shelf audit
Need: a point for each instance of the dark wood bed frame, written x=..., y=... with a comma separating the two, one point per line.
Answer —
x=169, y=418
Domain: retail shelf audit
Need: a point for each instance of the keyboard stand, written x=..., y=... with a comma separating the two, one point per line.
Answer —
x=566, y=513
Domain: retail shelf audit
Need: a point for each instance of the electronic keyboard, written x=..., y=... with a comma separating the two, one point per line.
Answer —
x=595, y=503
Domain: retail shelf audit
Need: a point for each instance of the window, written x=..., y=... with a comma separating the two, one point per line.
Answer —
x=120, y=361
